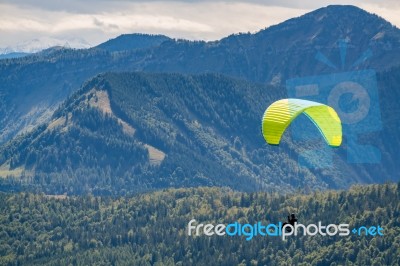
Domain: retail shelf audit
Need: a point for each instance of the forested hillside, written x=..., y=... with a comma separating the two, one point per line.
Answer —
x=151, y=229
x=124, y=133
x=130, y=132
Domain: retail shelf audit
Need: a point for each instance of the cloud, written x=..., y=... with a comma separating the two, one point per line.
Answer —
x=196, y=20
x=78, y=6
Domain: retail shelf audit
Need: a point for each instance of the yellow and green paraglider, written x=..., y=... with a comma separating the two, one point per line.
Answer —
x=280, y=114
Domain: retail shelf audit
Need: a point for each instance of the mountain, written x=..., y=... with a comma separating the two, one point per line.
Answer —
x=32, y=87
x=13, y=55
x=272, y=55
x=129, y=132
x=39, y=44
x=124, y=133
x=132, y=42
x=151, y=229
x=288, y=50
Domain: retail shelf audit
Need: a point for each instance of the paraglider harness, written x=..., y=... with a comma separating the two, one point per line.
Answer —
x=291, y=220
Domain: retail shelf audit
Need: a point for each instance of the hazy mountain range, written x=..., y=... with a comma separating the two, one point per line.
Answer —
x=40, y=44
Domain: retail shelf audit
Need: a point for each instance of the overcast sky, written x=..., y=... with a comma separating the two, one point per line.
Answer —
x=96, y=21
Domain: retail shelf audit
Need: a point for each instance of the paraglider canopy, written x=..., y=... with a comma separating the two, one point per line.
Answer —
x=280, y=114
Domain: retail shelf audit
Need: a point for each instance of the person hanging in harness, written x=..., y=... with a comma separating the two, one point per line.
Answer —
x=291, y=220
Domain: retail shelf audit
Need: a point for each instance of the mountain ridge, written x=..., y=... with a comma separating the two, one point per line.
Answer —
x=40, y=44
x=132, y=42
x=149, y=130
x=129, y=132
